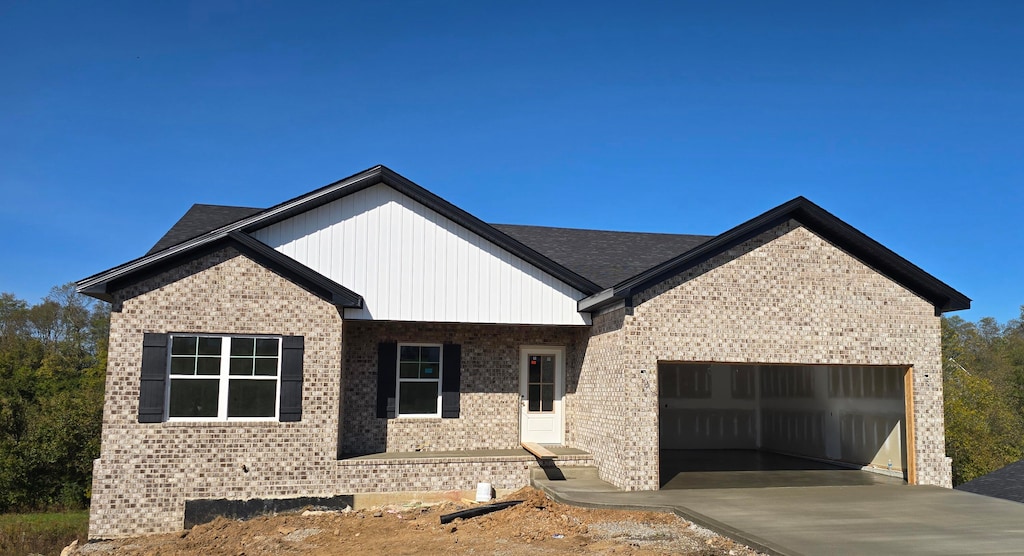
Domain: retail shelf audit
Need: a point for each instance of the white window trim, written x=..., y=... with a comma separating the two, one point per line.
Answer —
x=224, y=377
x=399, y=380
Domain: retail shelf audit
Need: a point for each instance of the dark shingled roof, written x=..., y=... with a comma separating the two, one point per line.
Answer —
x=1006, y=483
x=605, y=258
x=608, y=267
x=199, y=220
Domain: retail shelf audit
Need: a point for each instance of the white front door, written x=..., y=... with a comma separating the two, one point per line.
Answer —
x=541, y=386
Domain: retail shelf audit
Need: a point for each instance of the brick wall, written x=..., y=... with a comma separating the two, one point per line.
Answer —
x=439, y=474
x=146, y=471
x=489, y=415
x=786, y=296
x=598, y=411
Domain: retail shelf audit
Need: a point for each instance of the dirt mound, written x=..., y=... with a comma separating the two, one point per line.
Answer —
x=536, y=526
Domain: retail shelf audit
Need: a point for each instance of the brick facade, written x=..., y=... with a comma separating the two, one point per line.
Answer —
x=146, y=471
x=489, y=416
x=786, y=296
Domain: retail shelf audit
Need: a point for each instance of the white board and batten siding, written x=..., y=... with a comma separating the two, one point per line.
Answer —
x=411, y=263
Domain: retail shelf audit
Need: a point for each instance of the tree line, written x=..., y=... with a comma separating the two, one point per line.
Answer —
x=983, y=385
x=53, y=359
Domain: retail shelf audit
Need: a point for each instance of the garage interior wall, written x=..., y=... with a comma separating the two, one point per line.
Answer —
x=848, y=414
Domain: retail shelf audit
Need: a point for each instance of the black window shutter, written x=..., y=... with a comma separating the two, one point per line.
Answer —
x=153, y=386
x=292, y=348
x=451, y=378
x=387, y=373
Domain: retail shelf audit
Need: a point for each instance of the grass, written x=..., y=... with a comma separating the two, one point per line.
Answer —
x=42, y=533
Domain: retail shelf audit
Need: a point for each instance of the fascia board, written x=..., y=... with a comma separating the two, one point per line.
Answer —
x=833, y=229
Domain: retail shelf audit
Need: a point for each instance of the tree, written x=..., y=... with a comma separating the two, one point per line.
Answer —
x=52, y=360
x=983, y=380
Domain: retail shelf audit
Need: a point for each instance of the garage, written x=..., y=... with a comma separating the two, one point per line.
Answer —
x=781, y=419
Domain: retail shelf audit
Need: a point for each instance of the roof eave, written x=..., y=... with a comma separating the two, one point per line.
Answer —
x=869, y=251
x=325, y=288
x=597, y=301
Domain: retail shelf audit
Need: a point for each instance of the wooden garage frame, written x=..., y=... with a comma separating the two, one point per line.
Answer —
x=908, y=404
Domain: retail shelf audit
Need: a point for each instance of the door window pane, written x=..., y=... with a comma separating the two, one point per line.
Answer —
x=548, y=370
x=547, y=397
x=541, y=383
x=534, y=397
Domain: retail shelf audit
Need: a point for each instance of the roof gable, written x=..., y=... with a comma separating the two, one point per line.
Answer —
x=99, y=284
x=817, y=219
x=411, y=263
x=383, y=175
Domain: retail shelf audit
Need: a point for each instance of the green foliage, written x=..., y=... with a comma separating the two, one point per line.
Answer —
x=52, y=360
x=41, y=533
x=983, y=381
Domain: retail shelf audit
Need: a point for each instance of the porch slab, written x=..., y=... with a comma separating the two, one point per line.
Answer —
x=516, y=453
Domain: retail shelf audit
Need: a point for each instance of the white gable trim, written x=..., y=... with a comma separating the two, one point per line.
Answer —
x=411, y=263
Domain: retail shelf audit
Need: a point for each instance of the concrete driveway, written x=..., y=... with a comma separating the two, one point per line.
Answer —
x=810, y=520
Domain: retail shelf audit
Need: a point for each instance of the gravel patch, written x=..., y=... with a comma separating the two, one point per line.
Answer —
x=644, y=535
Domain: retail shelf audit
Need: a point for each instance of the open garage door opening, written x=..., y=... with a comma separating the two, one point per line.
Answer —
x=725, y=425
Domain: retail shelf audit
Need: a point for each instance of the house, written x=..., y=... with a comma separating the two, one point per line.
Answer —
x=370, y=336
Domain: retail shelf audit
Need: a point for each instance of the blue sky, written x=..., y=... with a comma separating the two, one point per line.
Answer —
x=907, y=120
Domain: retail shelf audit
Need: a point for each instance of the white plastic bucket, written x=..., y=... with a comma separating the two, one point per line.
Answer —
x=483, y=492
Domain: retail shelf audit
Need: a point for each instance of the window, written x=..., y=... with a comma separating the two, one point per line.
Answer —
x=419, y=380
x=410, y=371
x=541, y=383
x=224, y=377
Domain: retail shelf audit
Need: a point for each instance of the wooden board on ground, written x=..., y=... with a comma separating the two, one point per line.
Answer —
x=538, y=450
